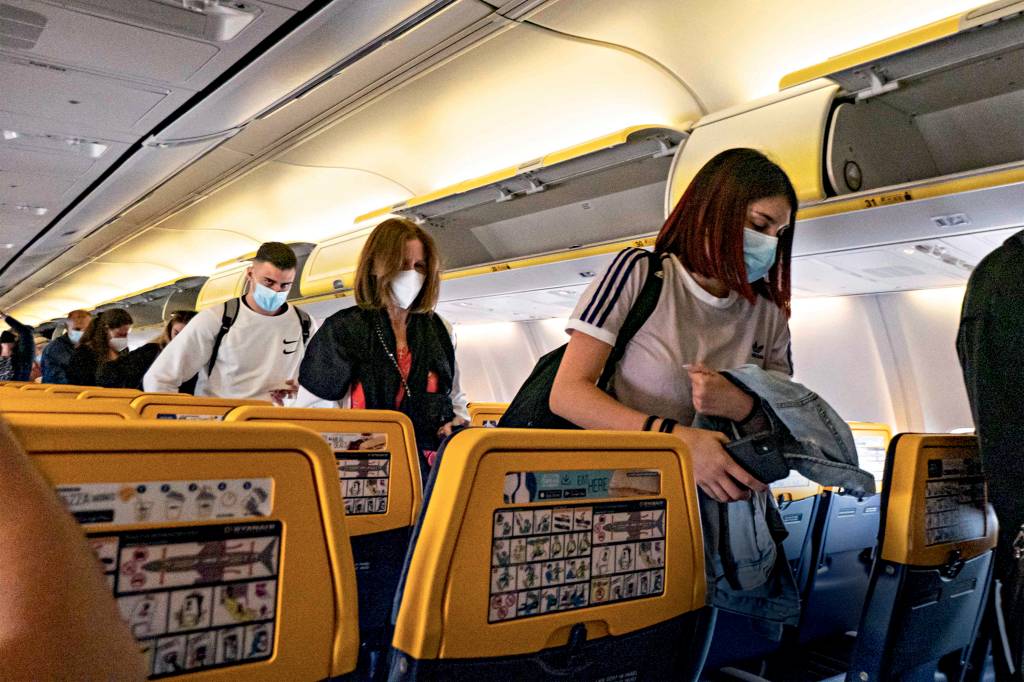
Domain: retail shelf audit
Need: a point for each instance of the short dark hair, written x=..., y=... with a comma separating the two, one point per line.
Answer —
x=705, y=230
x=277, y=254
x=8, y=337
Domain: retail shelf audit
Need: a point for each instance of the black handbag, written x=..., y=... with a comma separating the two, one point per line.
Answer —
x=428, y=412
x=531, y=408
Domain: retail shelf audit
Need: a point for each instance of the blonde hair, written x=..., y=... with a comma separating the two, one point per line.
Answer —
x=385, y=247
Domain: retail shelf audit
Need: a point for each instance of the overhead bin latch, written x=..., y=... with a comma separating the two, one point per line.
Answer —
x=879, y=85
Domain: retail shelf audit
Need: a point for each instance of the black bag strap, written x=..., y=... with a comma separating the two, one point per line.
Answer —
x=227, y=319
x=642, y=308
x=307, y=324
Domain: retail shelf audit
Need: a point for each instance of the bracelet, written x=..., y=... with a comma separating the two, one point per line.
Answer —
x=649, y=422
x=667, y=425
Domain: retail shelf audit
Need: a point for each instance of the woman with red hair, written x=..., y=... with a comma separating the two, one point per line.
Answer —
x=724, y=302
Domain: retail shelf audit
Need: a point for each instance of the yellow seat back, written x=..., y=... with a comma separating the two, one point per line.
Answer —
x=222, y=544
x=937, y=503
x=529, y=533
x=377, y=461
x=71, y=411
x=179, y=406
x=124, y=394
x=66, y=390
x=872, y=440
x=486, y=414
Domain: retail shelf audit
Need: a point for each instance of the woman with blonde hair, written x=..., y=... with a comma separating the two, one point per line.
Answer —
x=142, y=358
x=391, y=351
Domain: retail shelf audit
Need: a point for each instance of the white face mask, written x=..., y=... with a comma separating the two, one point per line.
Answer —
x=405, y=287
x=118, y=343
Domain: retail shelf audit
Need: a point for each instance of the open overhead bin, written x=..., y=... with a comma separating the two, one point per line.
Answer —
x=562, y=204
x=932, y=113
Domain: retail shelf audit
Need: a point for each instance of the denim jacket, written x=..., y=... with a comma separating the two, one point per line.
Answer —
x=747, y=571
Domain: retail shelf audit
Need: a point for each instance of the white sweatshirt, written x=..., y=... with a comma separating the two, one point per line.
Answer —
x=257, y=355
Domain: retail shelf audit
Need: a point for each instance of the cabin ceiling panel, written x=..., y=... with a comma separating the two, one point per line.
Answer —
x=45, y=162
x=383, y=68
x=337, y=30
x=289, y=203
x=76, y=97
x=734, y=51
x=116, y=47
x=28, y=188
x=195, y=250
x=513, y=98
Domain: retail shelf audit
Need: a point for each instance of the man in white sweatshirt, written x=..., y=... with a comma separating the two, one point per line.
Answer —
x=244, y=348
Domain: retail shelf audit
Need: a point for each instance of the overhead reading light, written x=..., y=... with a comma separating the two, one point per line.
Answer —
x=34, y=210
x=77, y=145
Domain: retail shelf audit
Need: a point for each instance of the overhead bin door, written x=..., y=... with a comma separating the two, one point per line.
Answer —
x=931, y=105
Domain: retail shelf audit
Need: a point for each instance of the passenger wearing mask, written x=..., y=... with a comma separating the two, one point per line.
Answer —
x=57, y=355
x=724, y=303
x=99, y=359
x=37, y=361
x=390, y=351
x=17, y=349
x=142, y=358
x=246, y=348
x=720, y=321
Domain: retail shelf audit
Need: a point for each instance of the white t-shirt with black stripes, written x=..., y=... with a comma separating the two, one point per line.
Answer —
x=688, y=325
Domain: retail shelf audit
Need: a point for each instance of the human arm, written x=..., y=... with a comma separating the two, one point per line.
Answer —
x=185, y=355
x=576, y=397
x=460, y=403
x=327, y=366
x=25, y=351
x=57, y=618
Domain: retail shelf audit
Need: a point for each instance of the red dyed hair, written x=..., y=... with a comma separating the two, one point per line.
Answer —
x=705, y=229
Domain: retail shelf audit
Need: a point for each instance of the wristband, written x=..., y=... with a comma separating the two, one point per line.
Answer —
x=649, y=422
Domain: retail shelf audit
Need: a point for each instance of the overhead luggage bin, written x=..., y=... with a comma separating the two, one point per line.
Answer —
x=603, y=191
x=866, y=139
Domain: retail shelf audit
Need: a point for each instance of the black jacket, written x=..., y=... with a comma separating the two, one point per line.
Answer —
x=990, y=337
x=87, y=369
x=24, y=349
x=346, y=349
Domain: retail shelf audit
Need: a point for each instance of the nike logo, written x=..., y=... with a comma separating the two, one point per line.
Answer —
x=287, y=342
x=289, y=352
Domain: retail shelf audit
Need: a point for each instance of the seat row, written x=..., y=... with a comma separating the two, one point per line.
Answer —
x=231, y=548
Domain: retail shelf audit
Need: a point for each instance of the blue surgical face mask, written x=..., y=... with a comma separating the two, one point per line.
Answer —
x=75, y=335
x=758, y=253
x=267, y=298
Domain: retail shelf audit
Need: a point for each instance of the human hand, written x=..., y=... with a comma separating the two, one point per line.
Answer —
x=715, y=471
x=446, y=429
x=716, y=396
x=289, y=391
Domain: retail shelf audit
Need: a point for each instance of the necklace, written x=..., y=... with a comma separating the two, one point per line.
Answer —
x=394, y=361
